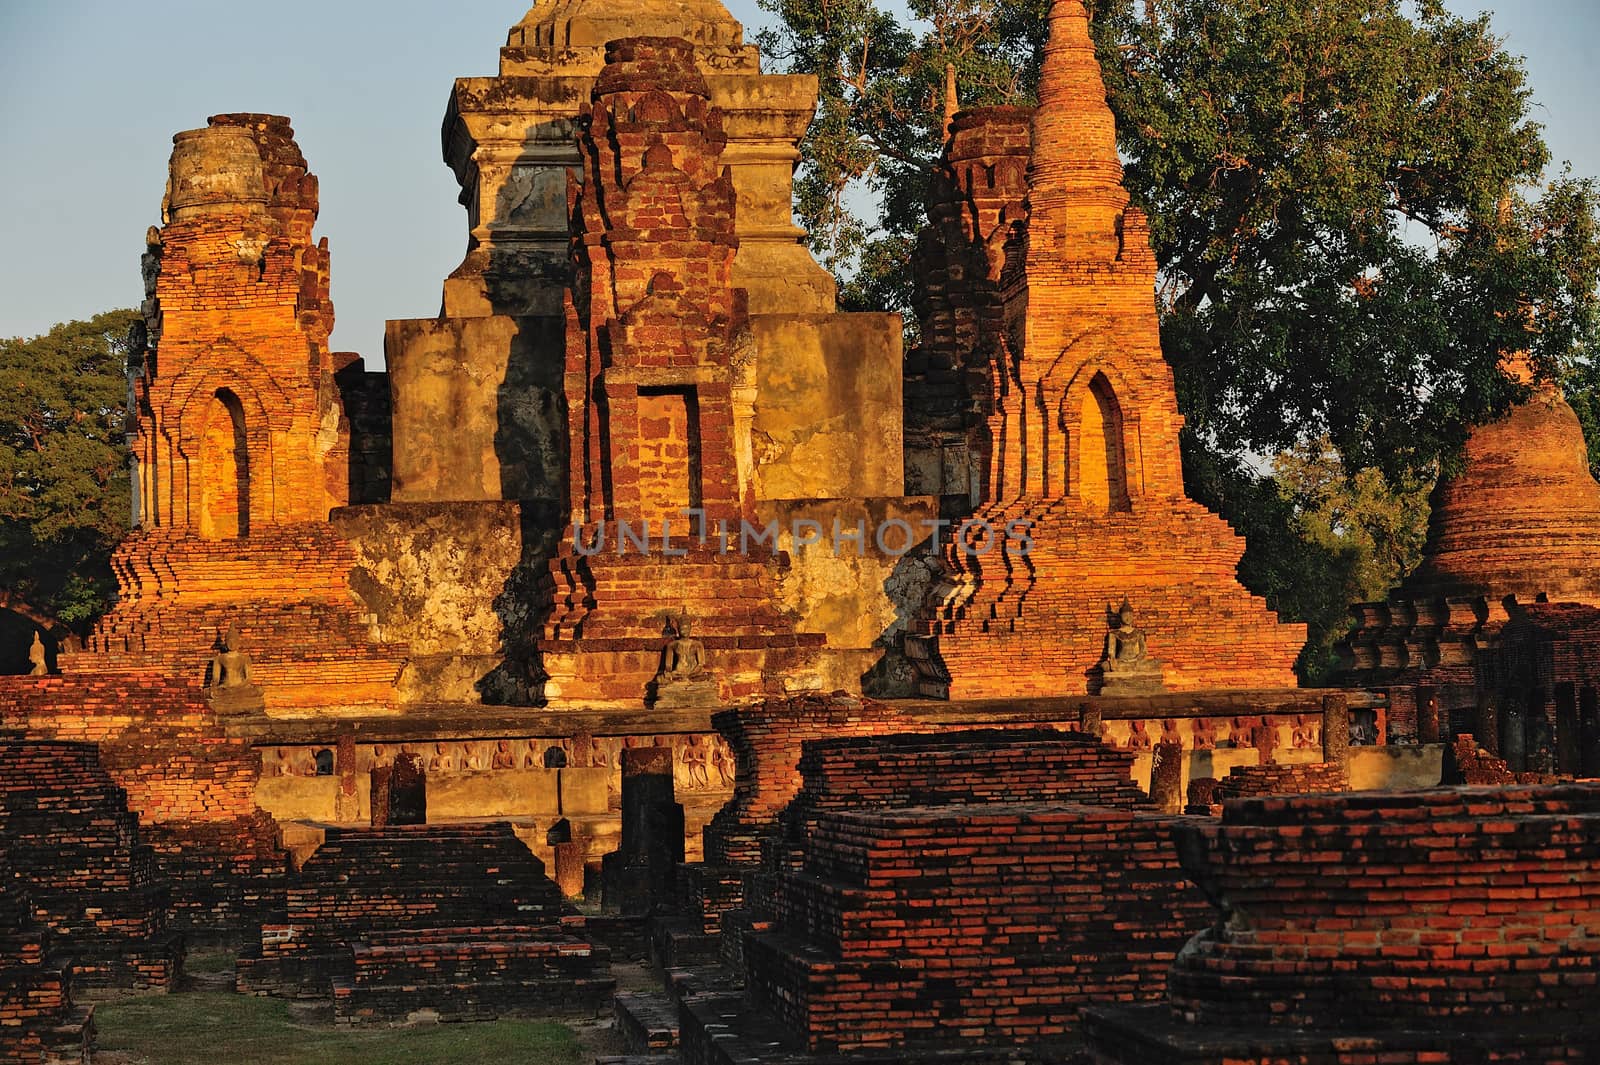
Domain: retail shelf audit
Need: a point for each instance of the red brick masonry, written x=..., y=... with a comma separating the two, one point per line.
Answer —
x=1405, y=927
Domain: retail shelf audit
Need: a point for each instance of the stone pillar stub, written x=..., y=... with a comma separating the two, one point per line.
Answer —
x=1166, y=778
x=637, y=877
x=1336, y=729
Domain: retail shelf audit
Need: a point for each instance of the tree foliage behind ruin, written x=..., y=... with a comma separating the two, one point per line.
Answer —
x=64, y=495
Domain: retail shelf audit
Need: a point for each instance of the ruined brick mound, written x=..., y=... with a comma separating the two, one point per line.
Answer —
x=959, y=767
x=38, y=1021
x=767, y=740
x=226, y=874
x=1521, y=516
x=93, y=883
x=191, y=786
x=1304, y=778
x=1417, y=926
x=968, y=925
x=400, y=879
x=471, y=974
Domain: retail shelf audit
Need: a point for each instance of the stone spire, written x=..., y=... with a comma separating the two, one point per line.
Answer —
x=952, y=100
x=1074, y=173
x=1082, y=422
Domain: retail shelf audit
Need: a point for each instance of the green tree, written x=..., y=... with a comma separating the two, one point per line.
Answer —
x=64, y=495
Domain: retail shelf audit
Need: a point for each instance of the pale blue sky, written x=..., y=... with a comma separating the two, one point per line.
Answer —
x=93, y=91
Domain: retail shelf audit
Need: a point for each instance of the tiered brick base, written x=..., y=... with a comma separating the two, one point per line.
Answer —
x=95, y=887
x=985, y=918
x=191, y=786
x=1034, y=623
x=1449, y=925
x=602, y=641
x=287, y=588
x=394, y=888
x=969, y=925
x=38, y=1021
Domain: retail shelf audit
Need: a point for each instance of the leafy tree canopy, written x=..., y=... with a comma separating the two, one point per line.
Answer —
x=64, y=495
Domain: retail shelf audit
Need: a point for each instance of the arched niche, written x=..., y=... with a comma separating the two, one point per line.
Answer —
x=224, y=469
x=1102, y=466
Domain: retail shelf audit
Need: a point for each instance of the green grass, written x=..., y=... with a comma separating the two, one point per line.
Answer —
x=208, y=960
x=224, y=1029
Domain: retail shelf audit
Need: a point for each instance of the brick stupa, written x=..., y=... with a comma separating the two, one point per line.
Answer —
x=1082, y=432
x=655, y=334
x=1517, y=524
x=241, y=441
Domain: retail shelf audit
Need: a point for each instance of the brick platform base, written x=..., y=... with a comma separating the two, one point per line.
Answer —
x=471, y=974
x=1407, y=927
x=374, y=911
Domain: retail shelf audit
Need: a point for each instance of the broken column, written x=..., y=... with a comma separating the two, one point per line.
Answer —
x=637, y=878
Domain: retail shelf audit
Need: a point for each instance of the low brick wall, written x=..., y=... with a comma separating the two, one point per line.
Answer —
x=71, y=841
x=1294, y=779
x=1417, y=925
x=970, y=925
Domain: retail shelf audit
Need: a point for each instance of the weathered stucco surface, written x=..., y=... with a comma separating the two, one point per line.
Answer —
x=828, y=408
x=863, y=599
x=447, y=579
x=477, y=408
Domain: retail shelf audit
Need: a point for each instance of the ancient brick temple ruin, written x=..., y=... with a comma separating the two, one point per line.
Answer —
x=574, y=633
x=243, y=445
x=659, y=386
x=1513, y=530
x=1041, y=291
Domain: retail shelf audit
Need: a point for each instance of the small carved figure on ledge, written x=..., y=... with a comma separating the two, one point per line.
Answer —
x=1138, y=737
x=36, y=658
x=1125, y=643
x=230, y=666
x=1126, y=667
x=233, y=689
x=503, y=758
x=682, y=680
x=684, y=658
